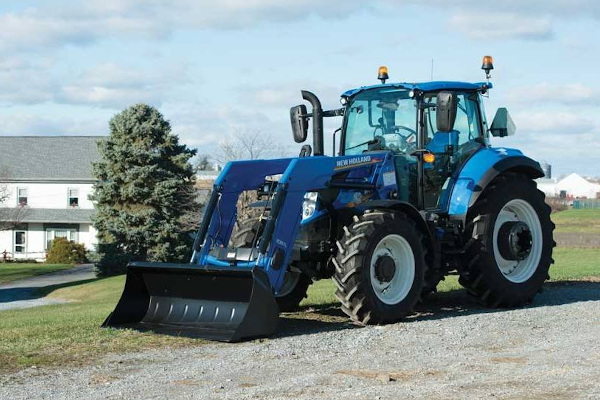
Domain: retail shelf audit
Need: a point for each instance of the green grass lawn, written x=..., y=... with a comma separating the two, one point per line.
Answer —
x=69, y=334
x=13, y=271
x=577, y=221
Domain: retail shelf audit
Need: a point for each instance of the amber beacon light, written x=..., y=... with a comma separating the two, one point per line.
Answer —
x=382, y=74
x=487, y=65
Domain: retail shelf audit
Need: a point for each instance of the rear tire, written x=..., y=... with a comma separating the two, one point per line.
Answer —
x=501, y=272
x=380, y=267
x=295, y=284
x=247, y=232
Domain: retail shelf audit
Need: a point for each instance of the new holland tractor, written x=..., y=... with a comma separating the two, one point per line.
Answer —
x=415, y=193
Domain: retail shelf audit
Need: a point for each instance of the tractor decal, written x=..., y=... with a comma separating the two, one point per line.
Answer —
x=355, y=162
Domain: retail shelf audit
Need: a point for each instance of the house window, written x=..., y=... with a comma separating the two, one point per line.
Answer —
x=20, y=241
x=67, y=231
x=73, y=197
x=22, y=196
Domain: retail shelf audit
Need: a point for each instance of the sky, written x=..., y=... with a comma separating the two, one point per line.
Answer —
x=213, y=68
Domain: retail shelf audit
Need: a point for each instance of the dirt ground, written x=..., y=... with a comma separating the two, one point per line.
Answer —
x=575, y=239
x=452, y=348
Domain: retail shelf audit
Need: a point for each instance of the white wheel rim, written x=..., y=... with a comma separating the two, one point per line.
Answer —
x=521, y=270
x=398, y=248
x=290, y=280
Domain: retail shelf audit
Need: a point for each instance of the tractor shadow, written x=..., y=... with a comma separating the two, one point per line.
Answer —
x=438, y=306
x=10, y=294
x=450, y=304
x=313, y=319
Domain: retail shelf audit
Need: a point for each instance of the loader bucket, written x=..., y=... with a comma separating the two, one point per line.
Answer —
x=217, y=303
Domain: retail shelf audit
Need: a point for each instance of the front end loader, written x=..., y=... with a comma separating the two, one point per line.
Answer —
x=415, y=193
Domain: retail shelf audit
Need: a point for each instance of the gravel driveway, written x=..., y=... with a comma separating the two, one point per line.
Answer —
x=452, y=349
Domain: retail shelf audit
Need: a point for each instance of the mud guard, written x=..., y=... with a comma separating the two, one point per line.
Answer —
x=217, y=303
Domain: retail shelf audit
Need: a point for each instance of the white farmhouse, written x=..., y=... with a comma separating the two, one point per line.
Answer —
x=46, y=181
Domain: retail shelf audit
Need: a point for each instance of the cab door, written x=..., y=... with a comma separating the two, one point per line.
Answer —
x=451, y=149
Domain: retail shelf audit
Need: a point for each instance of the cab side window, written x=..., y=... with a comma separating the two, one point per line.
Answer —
x=467, y=119
x=467, y=126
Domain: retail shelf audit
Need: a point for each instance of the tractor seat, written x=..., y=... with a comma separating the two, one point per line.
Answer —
x=441, y=140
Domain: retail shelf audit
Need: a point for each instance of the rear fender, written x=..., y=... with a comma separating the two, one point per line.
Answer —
x=480, y=170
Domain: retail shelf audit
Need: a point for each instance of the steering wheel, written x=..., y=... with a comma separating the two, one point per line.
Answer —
x=404, y=142
x=406, y=128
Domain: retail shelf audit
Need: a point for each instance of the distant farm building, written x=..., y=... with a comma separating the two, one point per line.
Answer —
x=573, y=186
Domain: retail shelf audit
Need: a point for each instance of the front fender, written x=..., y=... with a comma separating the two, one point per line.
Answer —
x=481, y=169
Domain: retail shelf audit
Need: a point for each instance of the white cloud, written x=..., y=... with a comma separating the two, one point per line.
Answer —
x=112, y=86
x=105, y=85
x=510, y=19
x=276, y=94
x=563, y=122
x=560, y=9
x=571, y=94
x=29, y=124
x=566, y=151
x=567, y=140
x=25, y=81
x=199, y=124
x=70, y=23
x=77, y=23
x=494, y=25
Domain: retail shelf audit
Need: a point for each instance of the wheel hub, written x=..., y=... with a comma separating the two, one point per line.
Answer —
x=514, y=240
x=385, y=269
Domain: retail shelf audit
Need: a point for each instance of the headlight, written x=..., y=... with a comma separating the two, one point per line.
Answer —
x=309, y=204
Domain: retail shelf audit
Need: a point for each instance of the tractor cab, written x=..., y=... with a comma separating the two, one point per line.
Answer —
x=430, y=128
x=403, y=119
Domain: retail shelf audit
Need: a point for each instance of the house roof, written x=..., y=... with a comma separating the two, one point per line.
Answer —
x=48, y=158
x=58, y=216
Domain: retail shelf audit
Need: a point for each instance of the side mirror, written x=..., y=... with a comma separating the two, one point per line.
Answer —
x=299, y=123
x=502, y=125
x=445, y=111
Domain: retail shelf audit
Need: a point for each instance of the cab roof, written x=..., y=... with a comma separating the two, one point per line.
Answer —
x=424, y=86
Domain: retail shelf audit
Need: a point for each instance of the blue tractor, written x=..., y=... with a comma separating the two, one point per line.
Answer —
x=415, y=193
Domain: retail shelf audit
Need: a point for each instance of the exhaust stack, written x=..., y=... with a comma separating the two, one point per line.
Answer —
x=317, y=114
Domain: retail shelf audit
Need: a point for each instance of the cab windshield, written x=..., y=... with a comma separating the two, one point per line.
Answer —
x=381, y=119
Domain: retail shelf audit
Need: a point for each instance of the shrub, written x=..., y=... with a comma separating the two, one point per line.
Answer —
x=63, y=251
x=112, y=262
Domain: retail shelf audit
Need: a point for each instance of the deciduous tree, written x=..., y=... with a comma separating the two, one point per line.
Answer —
x=10, y=216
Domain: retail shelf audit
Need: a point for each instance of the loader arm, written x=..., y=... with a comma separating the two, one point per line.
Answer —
x=298, y=176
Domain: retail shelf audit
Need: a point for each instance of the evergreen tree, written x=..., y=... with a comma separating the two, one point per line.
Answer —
x=144, y=192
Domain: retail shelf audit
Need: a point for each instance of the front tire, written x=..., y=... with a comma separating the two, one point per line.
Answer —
x=293, y=290
x=380, y=267
x=509, y=242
